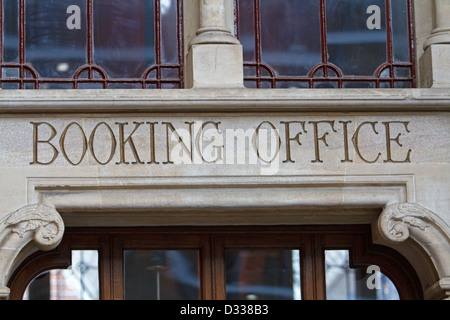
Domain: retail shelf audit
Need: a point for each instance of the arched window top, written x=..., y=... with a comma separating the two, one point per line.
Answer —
x=68, y=44
x=290, y=262
x=326, y=43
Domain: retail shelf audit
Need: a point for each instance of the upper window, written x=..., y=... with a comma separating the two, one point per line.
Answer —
x=326, y=43
x=65, y=44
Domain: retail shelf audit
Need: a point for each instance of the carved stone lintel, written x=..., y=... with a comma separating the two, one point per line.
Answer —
x=37, y=223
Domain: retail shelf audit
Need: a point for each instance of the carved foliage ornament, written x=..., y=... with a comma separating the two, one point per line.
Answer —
x=396, y=219
x=43, y=220
x=39, y=223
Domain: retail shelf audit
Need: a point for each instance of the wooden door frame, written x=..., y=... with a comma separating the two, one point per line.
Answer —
x=211, y=243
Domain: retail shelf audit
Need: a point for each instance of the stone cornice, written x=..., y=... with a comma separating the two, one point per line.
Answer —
x=224, y=101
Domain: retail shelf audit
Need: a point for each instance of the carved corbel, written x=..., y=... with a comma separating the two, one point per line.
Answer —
x=401, y=221
x=36, y=223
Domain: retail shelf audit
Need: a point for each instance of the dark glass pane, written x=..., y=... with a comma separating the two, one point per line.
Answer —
x=124, y=37
x=114, y=39
x=169, y=31
x=161, y=275
x=247, y=29
x=290, y=35
x=53, y=49
x=11, y=30
x=262, y=274
x=352, y=46
x=400, y=31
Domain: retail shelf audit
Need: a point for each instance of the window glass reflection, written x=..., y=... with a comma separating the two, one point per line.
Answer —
x=54, y=50
x=344, y=283
x=124, y=37
x=353, y=47
x=11, y=31
x=262, y=274
x=79, y=282
x=289, y=35
x=161, y=275
x=124, y=44
x=326, y=43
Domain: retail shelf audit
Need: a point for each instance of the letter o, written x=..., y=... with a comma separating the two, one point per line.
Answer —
x=63, y=139
x=256, y=142
x=113, y=143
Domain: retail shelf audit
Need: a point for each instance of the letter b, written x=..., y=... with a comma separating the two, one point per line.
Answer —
x=37, y=142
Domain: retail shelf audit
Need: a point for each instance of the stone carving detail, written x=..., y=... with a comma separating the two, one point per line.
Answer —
x=39, y=223
x=396, y=219
x=43, y=220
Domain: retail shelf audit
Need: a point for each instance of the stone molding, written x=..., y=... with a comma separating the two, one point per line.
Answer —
x=38, y=224
x=401, y=221
x=122, y=101
x=217, y=199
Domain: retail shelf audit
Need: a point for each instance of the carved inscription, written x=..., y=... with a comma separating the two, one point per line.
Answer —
x=121, y=143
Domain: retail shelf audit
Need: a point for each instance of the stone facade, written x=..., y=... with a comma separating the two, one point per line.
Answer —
x=108, y=157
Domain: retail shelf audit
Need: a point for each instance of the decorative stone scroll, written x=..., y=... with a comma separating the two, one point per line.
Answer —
x=396, y=219
x=401, y=221
x=37, y=223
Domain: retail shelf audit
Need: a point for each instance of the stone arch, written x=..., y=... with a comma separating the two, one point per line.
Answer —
x=24, y=231
x=416, y=232
x=404, y=226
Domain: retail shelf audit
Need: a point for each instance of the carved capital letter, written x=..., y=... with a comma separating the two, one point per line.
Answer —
x=396, y=139
x=36, y=143
x=323, y=138
x=128, y=140
x=355, y=140
x=289, y=139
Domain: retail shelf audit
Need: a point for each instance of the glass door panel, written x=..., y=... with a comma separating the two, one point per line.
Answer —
x=262, y=274
x=161, y=275
x=345, y=283
x=78, y=282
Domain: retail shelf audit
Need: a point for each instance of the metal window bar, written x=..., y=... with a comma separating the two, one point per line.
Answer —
x=325, y=66
x=27, y=74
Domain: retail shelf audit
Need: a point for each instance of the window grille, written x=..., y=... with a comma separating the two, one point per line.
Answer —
x=326, y=43
x=72, y=44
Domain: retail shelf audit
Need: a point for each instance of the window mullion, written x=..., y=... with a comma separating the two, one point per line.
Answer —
x=313, y=269
x=218, y=268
